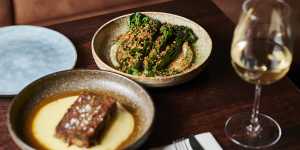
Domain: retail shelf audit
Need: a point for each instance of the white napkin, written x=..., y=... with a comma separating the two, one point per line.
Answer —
x=206, y=140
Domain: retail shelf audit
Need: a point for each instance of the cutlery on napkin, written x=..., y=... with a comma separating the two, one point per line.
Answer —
x=203, y=141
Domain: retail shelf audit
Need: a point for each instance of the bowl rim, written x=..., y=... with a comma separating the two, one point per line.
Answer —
x=155, y=78
x=22, y=144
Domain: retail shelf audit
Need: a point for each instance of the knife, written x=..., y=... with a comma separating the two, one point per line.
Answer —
x=195, y=144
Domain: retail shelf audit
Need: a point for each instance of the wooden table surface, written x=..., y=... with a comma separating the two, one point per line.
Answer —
x=202, y=104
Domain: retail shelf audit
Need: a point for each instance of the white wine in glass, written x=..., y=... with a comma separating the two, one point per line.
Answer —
x=260, y=54
x=268, y=63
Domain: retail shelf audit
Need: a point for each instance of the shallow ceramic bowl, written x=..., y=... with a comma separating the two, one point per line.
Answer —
x=136, y=97
x=105, y=35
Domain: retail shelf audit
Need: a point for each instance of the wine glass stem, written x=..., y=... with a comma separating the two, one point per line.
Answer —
x=254, y=128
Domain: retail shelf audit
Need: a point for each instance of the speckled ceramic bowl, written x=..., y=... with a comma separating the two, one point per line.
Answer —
x=134, y=97
x=103, y=40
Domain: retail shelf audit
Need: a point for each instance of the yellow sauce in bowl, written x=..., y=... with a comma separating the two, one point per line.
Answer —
x=46, y=118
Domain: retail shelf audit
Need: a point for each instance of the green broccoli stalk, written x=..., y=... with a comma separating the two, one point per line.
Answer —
x=166, y=33
x=144, y=30
x=171, y=52
x=137, y=19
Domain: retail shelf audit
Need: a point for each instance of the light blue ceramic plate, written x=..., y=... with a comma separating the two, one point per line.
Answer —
x=30, y=52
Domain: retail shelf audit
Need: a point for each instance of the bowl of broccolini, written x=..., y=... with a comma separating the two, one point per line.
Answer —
x=155, y=49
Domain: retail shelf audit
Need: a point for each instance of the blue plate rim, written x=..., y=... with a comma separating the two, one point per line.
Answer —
x=15, y=92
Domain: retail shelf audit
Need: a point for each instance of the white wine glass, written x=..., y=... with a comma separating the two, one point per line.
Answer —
x=260, y=54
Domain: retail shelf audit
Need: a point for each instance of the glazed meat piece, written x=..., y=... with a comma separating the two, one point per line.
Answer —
x=85, y=119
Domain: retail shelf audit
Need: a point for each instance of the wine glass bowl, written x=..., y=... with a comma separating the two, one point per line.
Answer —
x=261, y=54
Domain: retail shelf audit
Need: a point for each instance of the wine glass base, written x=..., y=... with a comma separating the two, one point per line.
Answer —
x=268, y=134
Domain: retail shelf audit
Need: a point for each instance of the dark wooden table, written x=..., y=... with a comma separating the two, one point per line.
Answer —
x=202, y=104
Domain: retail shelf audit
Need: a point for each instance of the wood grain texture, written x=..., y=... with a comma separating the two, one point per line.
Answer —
x=204, y=103
x=6, y=13
x=53, y=12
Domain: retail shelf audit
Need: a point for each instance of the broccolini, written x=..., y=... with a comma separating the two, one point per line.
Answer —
x=149, y=47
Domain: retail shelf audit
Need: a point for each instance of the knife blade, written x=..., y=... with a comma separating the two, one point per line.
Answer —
x=195, y=144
